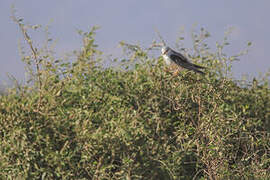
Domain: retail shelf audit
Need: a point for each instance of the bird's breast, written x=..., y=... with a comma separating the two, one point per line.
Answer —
x=167, y=59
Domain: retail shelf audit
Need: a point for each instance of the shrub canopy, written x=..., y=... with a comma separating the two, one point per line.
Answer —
x=79, y=120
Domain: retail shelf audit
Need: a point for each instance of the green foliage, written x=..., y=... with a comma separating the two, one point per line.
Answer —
x=81, y=121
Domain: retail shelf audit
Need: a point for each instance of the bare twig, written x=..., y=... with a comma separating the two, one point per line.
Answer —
x=153, y=45
x=33, y=50
x=160, y=37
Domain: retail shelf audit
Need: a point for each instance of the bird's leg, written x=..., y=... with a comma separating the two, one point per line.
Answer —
x=176, y=72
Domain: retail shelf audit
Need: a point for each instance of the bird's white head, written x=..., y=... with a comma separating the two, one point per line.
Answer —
x=164, y=50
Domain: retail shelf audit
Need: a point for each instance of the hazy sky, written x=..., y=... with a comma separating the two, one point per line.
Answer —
x=135, y=21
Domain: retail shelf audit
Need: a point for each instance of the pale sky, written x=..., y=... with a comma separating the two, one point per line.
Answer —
x=135, y=22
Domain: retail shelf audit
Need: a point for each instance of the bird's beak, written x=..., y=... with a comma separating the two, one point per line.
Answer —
x=165, y=52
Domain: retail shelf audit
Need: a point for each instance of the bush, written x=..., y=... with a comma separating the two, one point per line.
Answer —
x=79, y=120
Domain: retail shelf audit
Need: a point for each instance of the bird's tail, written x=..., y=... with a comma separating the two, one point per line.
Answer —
x=194, y=68
x=197, y=66
x=197, y=71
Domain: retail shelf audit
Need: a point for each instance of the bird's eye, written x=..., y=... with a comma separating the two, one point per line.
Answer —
x=166, y=50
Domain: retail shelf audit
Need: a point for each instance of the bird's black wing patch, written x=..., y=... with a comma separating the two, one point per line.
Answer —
x=181, y=56
x=179, y=60
x=183, y=62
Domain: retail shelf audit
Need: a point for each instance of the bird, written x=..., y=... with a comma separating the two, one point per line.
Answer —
x=178, y=61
